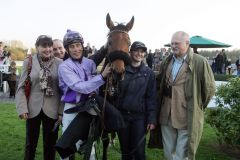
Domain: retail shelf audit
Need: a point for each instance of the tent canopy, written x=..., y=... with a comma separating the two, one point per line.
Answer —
x=201, y=42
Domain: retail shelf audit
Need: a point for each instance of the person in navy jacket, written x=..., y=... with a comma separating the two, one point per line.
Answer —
x=137, y=104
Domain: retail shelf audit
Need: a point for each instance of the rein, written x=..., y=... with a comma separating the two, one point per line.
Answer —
x=104, y=102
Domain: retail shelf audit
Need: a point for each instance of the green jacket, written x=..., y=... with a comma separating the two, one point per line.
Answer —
x=199, y=89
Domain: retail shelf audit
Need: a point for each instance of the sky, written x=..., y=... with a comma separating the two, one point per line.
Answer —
x=155, y=20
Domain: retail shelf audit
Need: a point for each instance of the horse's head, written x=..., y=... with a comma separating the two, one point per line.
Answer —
x=118, y=45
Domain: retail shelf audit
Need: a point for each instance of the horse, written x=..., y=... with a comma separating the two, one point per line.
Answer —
x=118, y=44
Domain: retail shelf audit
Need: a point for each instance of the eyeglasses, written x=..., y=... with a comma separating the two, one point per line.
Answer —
x=177, y=43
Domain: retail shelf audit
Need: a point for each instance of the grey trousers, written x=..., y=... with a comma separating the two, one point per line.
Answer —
x=174, y=142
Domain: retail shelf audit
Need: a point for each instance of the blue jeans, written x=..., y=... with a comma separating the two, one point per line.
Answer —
x=131, y=136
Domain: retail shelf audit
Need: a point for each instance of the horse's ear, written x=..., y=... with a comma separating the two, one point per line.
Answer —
x=109, y=22
x=130, y=24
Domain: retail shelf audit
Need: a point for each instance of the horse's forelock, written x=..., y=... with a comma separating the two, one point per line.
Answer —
x=118, y=28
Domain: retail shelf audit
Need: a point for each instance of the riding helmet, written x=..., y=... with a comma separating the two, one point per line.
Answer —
x=137, y=44
x=72, y=37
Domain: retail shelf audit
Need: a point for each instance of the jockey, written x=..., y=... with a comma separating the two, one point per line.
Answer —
x=79, y=83
x=78, y=79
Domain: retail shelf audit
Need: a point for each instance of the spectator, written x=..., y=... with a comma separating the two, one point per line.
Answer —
x=186, y=87
x=12, y=78
x=229, y=66
x=195, y=50
x=150, y=59
x=224, y=66
x=87, y=50
x=156, y=59
x=219, y=61
x=7, y=59
x=43, y=106
x=5, y=51
x=59, y=50
x=238, y=66
x=1, y=52
x=94, y=50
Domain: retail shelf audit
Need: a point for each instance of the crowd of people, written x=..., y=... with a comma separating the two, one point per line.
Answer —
x=63, y=75
x=153, y=60
x=222, y=65
x=9, y=75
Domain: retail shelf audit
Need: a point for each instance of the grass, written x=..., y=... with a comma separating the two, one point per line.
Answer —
x=12, y=139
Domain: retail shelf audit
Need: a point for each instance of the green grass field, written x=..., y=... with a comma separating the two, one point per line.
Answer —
x=12, y=139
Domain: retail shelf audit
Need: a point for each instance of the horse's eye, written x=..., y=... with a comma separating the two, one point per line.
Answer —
x=110, y=43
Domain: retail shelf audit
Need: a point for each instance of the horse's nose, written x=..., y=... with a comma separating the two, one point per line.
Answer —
x=118, y=76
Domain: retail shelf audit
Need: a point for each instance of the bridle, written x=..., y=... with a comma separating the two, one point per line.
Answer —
x=119, y=31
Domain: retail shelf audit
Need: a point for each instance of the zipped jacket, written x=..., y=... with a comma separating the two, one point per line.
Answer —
x=138, y=93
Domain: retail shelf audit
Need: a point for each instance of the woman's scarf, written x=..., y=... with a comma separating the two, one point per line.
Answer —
x=45, y=75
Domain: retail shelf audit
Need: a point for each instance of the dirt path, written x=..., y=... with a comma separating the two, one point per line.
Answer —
x=4, y=97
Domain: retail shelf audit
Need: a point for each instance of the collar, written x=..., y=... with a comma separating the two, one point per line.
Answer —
x=77, y=60
x=179, y=60
x=129, y=68
x=189, y=59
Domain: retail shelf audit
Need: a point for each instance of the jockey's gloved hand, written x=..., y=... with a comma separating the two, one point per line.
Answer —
x=106, y=71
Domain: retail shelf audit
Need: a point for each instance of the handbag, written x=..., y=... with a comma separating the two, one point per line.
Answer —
x=155, y=139
x=27, y=83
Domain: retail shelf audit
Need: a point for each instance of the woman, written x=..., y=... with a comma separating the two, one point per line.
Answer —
x=43, y=106
x=77, y=80
x=12, y=78
x=137, y=104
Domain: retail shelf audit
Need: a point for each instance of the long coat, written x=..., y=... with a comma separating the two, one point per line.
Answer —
x=38, y=101
x=199, y=88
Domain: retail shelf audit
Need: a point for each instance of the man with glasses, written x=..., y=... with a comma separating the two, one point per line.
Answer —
x=186, y=87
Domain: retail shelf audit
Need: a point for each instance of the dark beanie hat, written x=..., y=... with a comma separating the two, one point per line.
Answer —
x=44, y=40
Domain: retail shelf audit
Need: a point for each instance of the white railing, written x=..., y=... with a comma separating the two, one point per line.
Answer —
x=3, y=69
